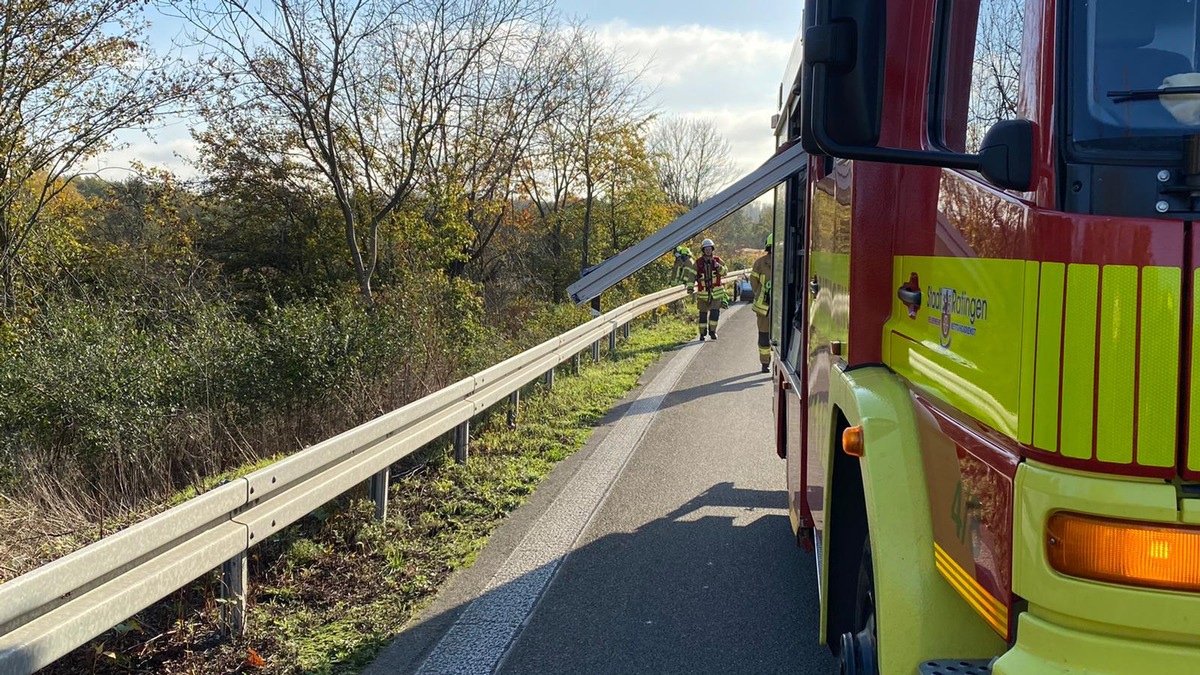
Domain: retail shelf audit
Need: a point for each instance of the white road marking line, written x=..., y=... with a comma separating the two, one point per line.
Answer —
x=481, y=636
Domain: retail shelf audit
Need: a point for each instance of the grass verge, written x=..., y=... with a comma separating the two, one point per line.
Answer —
x=329, y=592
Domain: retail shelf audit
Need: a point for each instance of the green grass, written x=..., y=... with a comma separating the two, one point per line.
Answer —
x=329, y=592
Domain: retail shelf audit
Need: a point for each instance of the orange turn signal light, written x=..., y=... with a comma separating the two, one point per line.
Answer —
x=1124, y=551
x=852, y=442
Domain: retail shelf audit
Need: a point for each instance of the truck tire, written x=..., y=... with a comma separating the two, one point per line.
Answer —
x=858, y=654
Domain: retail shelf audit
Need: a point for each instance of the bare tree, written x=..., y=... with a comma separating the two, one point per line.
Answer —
x=996, y=72
x=550, y=174
x=72, y=74
x=517, y=88
x=605, y=101
x=692, y=159
x=364, y=86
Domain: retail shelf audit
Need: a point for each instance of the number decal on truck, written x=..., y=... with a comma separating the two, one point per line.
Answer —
x=964, y=511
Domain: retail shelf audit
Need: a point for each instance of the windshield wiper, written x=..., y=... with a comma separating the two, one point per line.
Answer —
x=1125, y=95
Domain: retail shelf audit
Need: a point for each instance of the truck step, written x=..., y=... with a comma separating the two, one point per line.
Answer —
x=956, y=667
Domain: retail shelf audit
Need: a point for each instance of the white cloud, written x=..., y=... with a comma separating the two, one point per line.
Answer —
x=731, y=77
x=170, y=147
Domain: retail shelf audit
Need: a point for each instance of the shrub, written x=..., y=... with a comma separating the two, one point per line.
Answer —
x=120, y=403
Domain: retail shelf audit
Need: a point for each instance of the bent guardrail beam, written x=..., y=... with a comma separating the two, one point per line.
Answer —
x=788, y=161
x=47, y=612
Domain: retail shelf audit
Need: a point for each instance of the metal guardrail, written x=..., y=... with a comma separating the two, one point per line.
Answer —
x=46, y=613
x=788, y=161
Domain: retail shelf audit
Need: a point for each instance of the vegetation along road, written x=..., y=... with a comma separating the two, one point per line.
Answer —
x=369, y=215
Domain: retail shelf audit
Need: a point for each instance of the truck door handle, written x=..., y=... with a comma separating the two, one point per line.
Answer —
x=909, y=297
x=910, y=294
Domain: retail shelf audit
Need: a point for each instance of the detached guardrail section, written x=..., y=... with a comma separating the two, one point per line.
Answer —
x=53, y=609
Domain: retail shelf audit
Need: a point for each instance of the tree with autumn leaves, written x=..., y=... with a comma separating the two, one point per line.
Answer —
x=72, y=74
x=387, y=195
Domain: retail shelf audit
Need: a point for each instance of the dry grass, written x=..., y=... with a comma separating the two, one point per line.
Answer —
x=62, y=505
x=327, y=593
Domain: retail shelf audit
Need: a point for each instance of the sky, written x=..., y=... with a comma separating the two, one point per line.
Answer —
x=717, y=59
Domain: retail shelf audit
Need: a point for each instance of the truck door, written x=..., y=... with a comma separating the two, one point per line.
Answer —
x=828, y=315
x=789, y=335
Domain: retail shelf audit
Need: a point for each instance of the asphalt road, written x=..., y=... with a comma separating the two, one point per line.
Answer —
x=661, y=547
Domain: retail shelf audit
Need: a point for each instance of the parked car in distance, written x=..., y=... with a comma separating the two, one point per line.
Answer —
x=742, y=291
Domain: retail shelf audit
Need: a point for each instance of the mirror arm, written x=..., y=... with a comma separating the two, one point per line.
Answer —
x=951, y=160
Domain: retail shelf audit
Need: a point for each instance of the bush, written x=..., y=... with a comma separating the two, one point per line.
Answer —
x=123, y=404
x=107, y=404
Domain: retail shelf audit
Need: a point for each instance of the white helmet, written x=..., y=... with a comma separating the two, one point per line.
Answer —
x=707, y=243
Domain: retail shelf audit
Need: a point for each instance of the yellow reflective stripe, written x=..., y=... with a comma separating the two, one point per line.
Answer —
x=1090, y=356
x=1118, y=358
x=1028, y=350
x=1079, y=361
x=1049, y=361
x=1193, y=455
x=992, y=610
x=1158, y=365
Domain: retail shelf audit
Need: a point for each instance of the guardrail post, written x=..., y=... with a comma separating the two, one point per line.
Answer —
x=233, y=595
x=514, y=407
x=548, y=378
x=462, y=442
x=596, y=345
x=612, y=342
x=654, y=317
x=625, y=331
x=575, y=364
x=377, y=488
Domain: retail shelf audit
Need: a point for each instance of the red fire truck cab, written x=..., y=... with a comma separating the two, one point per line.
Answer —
x=984, y=342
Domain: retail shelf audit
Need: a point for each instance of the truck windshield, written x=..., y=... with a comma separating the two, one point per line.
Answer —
x=1125, y=56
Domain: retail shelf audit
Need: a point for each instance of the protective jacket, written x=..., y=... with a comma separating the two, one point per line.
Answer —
x=761, y=276
x=708, y=277
x=683, y=271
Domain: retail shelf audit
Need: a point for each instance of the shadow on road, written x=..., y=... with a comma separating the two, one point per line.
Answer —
x=715, y=586
x=747, y=380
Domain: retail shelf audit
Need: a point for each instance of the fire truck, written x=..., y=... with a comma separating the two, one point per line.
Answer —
x=984, y=359
x=984, y=352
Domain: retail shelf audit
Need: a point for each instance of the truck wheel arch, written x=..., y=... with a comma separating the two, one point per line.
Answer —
x=847, y=523
x=919, y=616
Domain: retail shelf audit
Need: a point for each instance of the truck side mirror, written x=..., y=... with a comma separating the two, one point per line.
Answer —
x=842, y=99
x=1006, y=155
x=846, y=39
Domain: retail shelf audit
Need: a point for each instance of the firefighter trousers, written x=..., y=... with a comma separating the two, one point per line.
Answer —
x=709, y=314
x=764, y=337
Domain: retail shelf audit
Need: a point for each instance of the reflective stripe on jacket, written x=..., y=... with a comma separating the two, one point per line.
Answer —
x=760, y=281
x=683, y=272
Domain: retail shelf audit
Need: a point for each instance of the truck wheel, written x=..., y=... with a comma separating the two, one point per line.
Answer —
x=858, y=655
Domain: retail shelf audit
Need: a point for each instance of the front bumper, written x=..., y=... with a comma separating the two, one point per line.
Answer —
x=1074, y=625
x=1047, y=648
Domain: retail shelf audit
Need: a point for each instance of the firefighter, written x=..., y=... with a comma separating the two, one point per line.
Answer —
x=682, y=271
x=711, y=295
x=760, y=282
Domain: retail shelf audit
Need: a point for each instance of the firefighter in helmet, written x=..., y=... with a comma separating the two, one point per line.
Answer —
x=683, y=272
x=683, y=269
x=760, y=282
x=711, y=295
